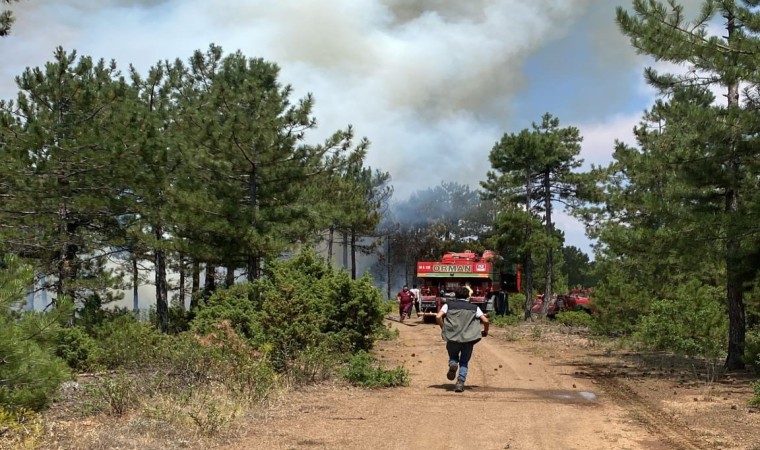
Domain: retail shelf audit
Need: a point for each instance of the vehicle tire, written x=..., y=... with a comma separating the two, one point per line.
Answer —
x=428, y=319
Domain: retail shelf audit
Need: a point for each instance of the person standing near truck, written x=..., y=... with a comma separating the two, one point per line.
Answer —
x=405, y=299
x=416, y=292
x=500, y=300
x=460, y=327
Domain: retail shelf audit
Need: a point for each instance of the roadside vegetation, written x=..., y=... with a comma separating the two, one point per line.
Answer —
x=301, y=323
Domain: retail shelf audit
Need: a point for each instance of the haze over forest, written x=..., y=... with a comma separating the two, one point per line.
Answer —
x=432, y=84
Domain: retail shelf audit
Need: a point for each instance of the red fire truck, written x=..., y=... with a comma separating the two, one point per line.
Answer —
x=480, y=271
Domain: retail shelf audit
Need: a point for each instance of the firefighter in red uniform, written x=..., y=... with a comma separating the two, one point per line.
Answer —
x=405, y=300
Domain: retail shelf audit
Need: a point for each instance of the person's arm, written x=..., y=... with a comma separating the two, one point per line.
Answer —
x=484, y=320
x=440, y=314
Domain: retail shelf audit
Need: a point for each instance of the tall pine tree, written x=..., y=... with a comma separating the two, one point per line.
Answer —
x=62, y=147
x=721, y=162
x=531, y=171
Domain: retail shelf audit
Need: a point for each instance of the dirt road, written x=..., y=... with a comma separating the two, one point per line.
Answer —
x=513, y=400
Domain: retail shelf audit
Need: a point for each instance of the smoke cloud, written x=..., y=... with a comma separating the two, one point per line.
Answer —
x=432, y=83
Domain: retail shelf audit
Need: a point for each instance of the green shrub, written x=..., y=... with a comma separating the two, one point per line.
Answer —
x=312, y=365
x=575, y=318
x=691, y=323
x=239, y=367
x=516, y=304
x=92, y=313
x=118, y=393
x=363, y=371
x=210, y=416
x=292, y=316
x=622, y=299
x=123, y=342
x=755, y=400
x=222, y=356
x=298, y=304
x=386, y=334
x=77, y=348
x=30, y=373
x=179, y=319
x=388, y=306
x=355, y=310
x=752, y=349
x=504, y=321
x=237, y=305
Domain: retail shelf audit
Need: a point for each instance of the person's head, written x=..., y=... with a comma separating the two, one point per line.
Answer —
x=414, y=286
x=461, y=293
x=405, y=288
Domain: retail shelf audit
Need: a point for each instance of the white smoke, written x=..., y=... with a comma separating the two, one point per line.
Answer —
x=432, y=83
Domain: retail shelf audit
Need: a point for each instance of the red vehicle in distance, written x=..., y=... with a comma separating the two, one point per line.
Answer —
x=575, y=300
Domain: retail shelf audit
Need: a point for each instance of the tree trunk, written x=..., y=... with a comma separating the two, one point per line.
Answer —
x=162, y=302
x=528, y=267
x=734, y=293
x=353, y=254
x=548, y=298
x=528, y=263
x=330, y=239
x=182, y=289
x=67, y=268
x=345, y=250
x=135, y=285
x=195, y=289
x=209, y=283
x=252, y=268
x=229, y=276
x=252, y=265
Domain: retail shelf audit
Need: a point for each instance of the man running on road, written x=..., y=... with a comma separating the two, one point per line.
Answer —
x=460, y=327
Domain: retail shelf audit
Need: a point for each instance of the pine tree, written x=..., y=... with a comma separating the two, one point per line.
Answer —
x=63, y=192
x=721, y=163
x=532, y=170
x=370, y=191
x=153, y=169
x=247, y=194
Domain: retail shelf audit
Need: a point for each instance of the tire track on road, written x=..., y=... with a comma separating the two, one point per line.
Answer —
x=658, y=422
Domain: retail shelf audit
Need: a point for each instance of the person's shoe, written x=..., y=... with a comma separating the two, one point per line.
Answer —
x=452, y=373
x=459, y=387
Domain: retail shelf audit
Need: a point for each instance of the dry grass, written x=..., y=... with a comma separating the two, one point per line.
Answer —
x=202, y=418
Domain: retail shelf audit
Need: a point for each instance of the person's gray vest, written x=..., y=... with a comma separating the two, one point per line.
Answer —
x=460, y=324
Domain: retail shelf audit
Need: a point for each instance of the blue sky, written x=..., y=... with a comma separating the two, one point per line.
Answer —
x=433, y=84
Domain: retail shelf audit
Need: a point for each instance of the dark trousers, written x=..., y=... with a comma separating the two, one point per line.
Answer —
x=460, y=353
x=501, y=305
x=404, y=310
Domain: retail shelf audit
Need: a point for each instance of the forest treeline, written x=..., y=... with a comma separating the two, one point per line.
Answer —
x=206, y=166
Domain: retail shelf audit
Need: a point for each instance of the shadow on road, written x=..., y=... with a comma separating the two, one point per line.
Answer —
x=397, y=320
x=570, y=397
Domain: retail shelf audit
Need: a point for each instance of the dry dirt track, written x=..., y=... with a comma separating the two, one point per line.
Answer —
x=514, y=400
